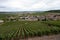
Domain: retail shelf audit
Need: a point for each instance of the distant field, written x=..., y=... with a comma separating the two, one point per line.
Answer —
x=3, y=16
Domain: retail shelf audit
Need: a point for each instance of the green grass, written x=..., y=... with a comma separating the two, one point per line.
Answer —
x=54, y=23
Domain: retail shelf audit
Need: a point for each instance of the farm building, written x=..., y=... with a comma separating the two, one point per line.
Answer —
x=32, y=18
x=57, y=17
x=1, y=21
x=28, y=18
x=41, y=18
x=53, y=17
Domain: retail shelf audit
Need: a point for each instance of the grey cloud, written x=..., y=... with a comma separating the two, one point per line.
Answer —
x=18, y=5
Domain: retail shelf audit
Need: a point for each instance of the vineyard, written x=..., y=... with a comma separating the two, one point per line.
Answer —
x=25, y=29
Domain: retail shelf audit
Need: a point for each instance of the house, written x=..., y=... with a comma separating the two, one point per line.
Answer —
x=1, y=21
x=41, y=18
x=31, y=18
x=57, y=17
x=53, y=17
x=28, y=18
x=50, y=17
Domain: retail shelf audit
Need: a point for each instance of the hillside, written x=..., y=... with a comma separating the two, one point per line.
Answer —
x=54, y=11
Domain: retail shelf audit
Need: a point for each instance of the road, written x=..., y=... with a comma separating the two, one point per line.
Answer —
x=50, y=37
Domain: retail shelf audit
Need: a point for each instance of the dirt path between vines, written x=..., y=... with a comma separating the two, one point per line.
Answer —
x=50, y=37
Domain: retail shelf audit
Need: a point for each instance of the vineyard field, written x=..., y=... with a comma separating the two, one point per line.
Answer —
x=24, y=29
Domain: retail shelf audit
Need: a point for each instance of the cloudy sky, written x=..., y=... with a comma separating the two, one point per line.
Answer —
x=29, y=5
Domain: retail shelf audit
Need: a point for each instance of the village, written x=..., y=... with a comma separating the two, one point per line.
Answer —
x=51, y=16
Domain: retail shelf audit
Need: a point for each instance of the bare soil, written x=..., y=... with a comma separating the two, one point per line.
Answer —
x=50, y=37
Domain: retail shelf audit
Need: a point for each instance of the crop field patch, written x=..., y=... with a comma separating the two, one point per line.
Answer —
x=25, y=29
